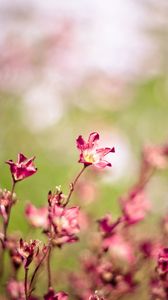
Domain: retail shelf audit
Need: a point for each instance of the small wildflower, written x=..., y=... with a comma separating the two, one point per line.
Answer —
x=28, y=251
x=23, y=168
x=90, y=154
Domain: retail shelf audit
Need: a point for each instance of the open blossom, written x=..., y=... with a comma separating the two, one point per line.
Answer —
x=51, y=295
x=135, y=206
x=90, y=154
x=64, y=221
x=23, y=168
x=28, y=251
x=37, y=217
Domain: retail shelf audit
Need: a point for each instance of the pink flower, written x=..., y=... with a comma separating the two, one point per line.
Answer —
x=156, y=156
x=65, y=223
x=51, y=295
x=135, y=206
x=90, y=154
x=162, y=267
x=6, y=201
x=106, y=225
x=23, y=168
x=15, y=290
x=118, y=247
x=28, y=251
x=96, y=296
x=37, y=217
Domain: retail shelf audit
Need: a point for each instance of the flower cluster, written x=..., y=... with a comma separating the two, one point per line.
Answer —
x=120, y=260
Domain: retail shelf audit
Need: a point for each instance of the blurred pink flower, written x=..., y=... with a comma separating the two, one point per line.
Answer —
x=90, y=154
x=162, y=266
x=156, y=156
x=23, y=168
x=135, y=206
x=37, y=217
x=118, y=247
x=65, y=223
x=6, y=201
x=51, y=295
x=107, y=226
x=16, y=290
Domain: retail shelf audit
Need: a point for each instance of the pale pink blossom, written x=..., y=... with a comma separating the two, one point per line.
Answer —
x=64, y=222
x=118, y=247
x=37, y=217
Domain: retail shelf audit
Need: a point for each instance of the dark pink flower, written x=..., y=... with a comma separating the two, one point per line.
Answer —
x=28, y=251
x=150, y=248
x=162, y=266
x=135, y=206
x=23, y=168
x=90, y=154
x=57, y=197
x=157, y=290
x=64, y=221
x=37, y=217
x=107, y=226
x=51, y=295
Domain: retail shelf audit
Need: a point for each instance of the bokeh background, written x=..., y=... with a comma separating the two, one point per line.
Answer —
x=73, y=67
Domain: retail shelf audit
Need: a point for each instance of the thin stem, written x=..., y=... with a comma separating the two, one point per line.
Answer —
x=9, y=212
x=72, y=185
x=5, y=228
x=25, y=283
x=49, y=267
x=35, y=271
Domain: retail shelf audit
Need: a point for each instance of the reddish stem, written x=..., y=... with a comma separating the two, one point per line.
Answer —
x=25, y=283
x=35, y=272
x=49, y=267
x=72, y=185
x=9, y=212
